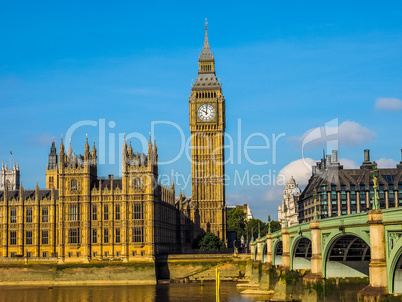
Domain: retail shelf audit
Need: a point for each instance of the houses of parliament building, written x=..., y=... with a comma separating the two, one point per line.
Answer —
x=80, y=216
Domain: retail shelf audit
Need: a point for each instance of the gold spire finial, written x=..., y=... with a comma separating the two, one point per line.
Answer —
x=206, y=24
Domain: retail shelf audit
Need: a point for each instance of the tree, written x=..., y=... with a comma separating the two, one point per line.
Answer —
x=236, y=222
x=210, y=242
x=275, y=226
x=252, y=227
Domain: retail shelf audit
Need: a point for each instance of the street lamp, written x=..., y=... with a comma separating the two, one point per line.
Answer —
x=374, y=176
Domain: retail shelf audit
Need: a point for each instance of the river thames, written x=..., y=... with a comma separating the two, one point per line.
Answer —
x=176, y=292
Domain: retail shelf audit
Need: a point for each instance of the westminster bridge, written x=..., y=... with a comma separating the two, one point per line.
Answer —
x=359, y=245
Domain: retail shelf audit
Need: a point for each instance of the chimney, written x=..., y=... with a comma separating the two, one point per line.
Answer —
x=366, y=164
x=335, y=156
x=367, y=155
x=323, y=164
x=328, y=163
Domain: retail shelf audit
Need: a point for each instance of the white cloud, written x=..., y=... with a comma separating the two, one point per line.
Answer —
x=300, y=170
x=386, y=163
x=349, y=133
x=348, y=163
x=389, y=104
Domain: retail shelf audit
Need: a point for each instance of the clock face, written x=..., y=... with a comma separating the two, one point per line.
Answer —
x=206, y=112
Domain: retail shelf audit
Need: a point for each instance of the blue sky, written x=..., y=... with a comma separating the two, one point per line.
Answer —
x=286, y=67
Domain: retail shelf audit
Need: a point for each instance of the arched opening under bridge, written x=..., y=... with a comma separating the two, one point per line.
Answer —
x=348, y=256
x=302, y=254
x=278, y=253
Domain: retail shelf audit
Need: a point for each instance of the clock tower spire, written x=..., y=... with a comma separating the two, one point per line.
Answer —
x=207, y=126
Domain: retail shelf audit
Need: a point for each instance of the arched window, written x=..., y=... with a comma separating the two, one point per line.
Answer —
x=8, y=184
x=74, y=184
x=137, y=183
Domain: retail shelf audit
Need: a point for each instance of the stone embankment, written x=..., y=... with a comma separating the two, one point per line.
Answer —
x=172, y=268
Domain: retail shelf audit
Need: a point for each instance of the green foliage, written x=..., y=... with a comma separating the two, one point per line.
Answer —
x=210, y=242
x=236, y=222
x=275, y=226
x=252, y=227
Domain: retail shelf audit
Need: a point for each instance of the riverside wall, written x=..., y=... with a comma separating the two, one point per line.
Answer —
x=172, y=268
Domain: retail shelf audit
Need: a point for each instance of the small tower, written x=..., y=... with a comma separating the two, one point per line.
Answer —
x=288, y=210
x=52, y=169
x=10, y=178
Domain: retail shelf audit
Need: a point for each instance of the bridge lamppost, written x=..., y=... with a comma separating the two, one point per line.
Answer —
x=374, y=176
x=315, y=205
x=269, y=224
x=378, y=264
x=285, y=209
x=269, y=242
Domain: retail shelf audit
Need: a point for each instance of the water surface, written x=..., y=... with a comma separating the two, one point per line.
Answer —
x=177, y=292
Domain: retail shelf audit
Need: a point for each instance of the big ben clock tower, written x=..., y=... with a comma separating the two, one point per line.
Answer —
x=207, y=126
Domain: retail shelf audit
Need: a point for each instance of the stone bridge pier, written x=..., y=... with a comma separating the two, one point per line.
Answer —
x=316, y=257
x=378, y=264
x=286, y=248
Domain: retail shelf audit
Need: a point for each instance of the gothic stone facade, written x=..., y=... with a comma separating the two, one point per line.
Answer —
x=86, y=217
x=287, y=211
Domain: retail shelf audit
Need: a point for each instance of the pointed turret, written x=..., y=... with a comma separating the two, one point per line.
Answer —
x=206, y=53
x=37, y=191
x=70, y=150
x=149, y=144
x=155, y=148
x=124, y=154
x=94, y=150
x=14, y=165
x=124, y=144
x=86, y=148
x=53, y=157
x=61, y=148
x=2, y=165
x=130, y=150
x=206, y=67
x=21, y=190
x=18, y=165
